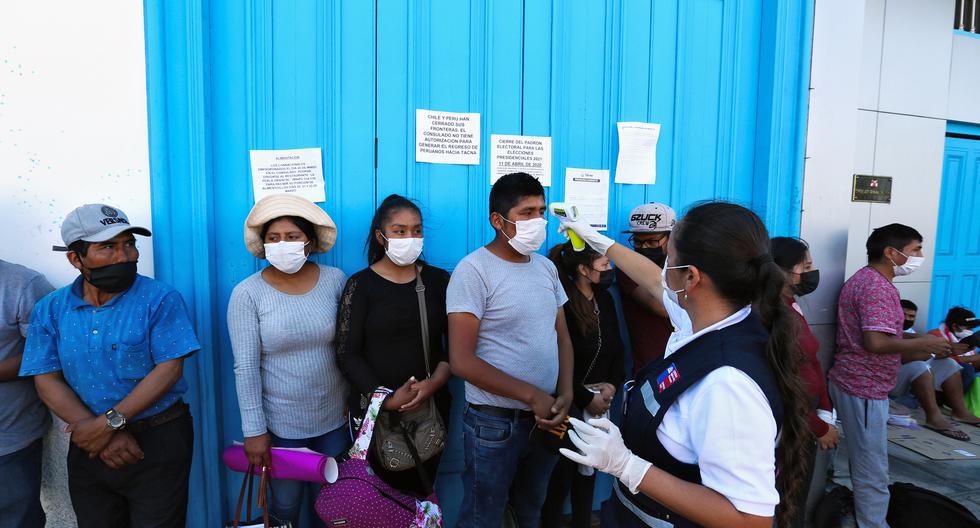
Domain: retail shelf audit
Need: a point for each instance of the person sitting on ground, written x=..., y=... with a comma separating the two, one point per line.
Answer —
x=910, y=309
x=956, y=327
x=923, y=374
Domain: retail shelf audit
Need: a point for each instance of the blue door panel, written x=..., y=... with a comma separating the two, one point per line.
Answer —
x=725, y=79
x=956, y=272
x=286, y=75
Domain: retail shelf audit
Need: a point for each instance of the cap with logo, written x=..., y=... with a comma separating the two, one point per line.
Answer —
x=96, y=223
x=652, y=217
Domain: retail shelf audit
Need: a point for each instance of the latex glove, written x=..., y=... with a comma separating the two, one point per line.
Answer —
x=593, y=238
x=602, y=447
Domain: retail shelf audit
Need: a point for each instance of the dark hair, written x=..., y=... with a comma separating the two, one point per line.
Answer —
x=895, y=236
x=958, y=315
x=909, y=305
x=80, y=247
x=788, y=252
x=567, y=260
x=301, y=223
x=391, y=204
x=730, y=244
x=511, y=189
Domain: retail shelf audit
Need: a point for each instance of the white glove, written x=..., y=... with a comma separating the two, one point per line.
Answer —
x=593, y=238
x=602, y=447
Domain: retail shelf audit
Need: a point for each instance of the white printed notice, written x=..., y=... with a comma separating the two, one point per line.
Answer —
x=588, y=189
x=295, y=171
x=530, y=154
x=637, y=161
x=447, y=137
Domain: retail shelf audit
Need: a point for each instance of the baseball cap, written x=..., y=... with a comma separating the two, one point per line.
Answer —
x=96, y=223
x=652, y=217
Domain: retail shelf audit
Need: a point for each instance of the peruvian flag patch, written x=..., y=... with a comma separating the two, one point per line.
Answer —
x=667, y=378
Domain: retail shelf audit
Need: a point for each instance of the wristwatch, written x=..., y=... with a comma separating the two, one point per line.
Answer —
x=116, y=419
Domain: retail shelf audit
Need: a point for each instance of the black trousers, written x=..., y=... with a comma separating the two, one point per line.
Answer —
x=149, y=493
x=565, y=478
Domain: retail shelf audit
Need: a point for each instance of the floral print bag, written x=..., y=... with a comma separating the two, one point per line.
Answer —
x=361, y=498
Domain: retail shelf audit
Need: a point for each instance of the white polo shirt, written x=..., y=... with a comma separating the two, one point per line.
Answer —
x=723, y=423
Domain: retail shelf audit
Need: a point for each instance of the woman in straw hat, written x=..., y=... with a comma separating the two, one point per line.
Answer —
x=281, y=320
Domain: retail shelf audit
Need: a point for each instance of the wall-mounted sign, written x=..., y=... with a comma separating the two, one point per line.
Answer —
x=298, y=171
x=874, y=189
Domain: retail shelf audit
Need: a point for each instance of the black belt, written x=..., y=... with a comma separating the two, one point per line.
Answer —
x=502, y=412
x=168, y=415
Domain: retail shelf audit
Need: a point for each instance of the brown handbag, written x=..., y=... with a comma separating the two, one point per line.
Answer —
x=404, y=440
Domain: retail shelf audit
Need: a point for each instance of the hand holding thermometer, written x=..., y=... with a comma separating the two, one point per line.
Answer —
x=568, y=212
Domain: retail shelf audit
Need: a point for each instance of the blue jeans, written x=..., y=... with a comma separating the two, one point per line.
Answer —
x=20, y=488
x=287, y=495
x=502, y=465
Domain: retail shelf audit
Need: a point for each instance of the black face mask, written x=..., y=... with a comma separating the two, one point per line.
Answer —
x=808, y=282
x=909, y=323
x=605, y=280
x=113, y=278
x=657, y=255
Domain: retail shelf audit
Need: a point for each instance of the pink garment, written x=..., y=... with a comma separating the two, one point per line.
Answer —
x=868, y=303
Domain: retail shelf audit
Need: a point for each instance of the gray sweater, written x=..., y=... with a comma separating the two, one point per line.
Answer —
x=285, y=369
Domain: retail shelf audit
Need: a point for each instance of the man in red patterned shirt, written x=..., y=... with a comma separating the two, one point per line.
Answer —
x=870, y=344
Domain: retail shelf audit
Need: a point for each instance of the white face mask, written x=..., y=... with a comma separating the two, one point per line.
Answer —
x=962, y=334
x=530, y=235
x=911, y=264
x=671, y=293
x=287, y=257
x=403, y=251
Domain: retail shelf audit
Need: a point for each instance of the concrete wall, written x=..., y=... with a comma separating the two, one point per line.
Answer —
x=882, y=92
x=72, y=131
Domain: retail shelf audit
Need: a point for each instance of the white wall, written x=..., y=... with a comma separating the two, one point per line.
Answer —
x=72, y=130
x=832, y=131
x=72, y=123
x=904, y=86
x=964, y=80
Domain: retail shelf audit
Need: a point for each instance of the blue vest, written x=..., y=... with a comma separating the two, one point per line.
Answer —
x=742, y=346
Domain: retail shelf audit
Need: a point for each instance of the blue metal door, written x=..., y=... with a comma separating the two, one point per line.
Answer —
x=726, y=79
x=957, y=267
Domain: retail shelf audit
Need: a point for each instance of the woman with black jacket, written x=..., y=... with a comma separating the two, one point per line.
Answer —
x=594, y=329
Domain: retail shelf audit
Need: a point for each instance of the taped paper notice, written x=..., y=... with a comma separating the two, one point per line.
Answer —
x=295, y=171
x=589, y=190
x=530, y=154
x=637, y=160
x=447, y=137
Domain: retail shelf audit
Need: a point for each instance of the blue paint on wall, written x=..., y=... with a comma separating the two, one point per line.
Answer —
x=727, y=80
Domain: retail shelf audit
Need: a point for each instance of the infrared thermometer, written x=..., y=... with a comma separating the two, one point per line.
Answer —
x=569, y=212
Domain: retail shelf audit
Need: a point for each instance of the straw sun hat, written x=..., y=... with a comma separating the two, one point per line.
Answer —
x=277, y=205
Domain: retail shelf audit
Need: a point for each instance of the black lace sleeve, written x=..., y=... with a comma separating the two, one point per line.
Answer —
x=351, y=317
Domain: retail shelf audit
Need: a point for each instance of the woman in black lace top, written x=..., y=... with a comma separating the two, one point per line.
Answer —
x=379, y=333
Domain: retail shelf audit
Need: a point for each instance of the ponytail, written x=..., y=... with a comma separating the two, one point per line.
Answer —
x=730, y=244
x=784, y=356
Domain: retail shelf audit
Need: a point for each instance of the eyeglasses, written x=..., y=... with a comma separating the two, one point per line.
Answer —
x=646, y=242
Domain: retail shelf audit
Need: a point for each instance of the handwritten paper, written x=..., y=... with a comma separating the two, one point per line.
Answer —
x=530, y=154
x=447, y=137
x=298, y=171
x=589, y=190
x=637, y=160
